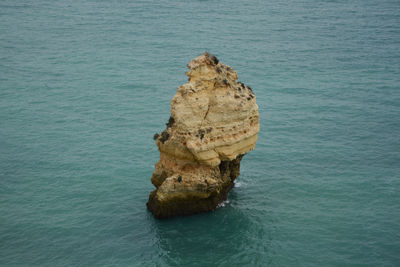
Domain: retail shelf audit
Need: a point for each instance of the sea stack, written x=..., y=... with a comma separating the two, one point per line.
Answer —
x=214, y=122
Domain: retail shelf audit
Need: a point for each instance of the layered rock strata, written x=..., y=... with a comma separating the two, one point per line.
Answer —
x=214, y=122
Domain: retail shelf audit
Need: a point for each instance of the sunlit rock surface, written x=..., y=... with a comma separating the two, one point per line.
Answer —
x=214, y=122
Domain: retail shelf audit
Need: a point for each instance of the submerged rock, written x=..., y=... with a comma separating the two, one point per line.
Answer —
x=214, y=122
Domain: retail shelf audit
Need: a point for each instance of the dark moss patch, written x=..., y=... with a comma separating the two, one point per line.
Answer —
x=164, y=137
x=171, y=122
x=213, y=58
x=201, y=133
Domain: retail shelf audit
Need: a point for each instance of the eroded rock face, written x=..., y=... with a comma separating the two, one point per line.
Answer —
x=214, y=122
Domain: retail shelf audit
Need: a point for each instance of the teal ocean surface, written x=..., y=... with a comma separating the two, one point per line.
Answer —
x=84, y=85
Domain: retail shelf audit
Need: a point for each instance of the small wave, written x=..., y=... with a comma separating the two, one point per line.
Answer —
x=223, y=204
x=238, y=184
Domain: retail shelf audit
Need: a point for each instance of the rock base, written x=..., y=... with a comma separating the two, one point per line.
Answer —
x=191, y=203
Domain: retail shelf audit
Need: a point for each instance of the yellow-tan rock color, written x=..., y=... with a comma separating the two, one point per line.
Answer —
x=214, y=122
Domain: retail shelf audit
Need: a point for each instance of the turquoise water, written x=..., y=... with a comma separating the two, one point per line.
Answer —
x=84, y=85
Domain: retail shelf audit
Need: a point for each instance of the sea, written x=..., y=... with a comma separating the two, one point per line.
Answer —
x=84, y=86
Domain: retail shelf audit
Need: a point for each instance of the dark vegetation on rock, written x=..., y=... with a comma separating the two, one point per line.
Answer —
x=164, y=136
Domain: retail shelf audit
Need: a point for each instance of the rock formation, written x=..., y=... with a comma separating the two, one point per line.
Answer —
x=214, y=122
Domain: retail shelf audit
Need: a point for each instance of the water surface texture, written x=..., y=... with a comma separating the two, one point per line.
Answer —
x=84, y=85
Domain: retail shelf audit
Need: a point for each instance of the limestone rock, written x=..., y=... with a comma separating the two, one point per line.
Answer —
x=214, y=122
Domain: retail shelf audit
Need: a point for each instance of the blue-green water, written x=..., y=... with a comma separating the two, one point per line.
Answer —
x=84, y=85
